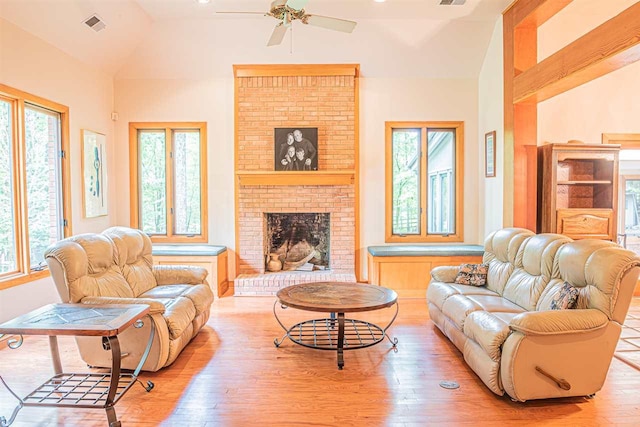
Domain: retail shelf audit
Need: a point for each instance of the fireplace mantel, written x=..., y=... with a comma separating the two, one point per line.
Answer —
x=329, y=177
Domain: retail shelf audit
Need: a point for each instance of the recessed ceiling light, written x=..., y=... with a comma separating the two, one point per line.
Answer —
x=379, y=1
x=203, y=1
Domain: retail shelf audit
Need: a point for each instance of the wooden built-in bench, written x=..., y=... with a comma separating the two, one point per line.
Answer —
x=407, y=268
x=212, y=258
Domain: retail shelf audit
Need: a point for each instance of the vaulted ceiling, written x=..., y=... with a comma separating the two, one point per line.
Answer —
x=187, y=40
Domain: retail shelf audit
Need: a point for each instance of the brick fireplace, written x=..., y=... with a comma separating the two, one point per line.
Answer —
x=290, y=96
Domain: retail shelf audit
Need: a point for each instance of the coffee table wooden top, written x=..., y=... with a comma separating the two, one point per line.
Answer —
x=76, y=319
x=337, y=297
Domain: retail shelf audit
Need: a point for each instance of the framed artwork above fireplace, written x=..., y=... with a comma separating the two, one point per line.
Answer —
x=295, y=149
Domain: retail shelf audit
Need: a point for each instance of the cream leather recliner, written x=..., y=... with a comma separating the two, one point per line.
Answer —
x=507, y=331
x=115, y=267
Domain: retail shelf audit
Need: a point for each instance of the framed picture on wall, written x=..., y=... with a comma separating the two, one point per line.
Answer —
x=490, y=154
x=295, y=149
x=94, y=183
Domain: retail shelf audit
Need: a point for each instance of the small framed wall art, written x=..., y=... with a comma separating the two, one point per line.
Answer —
x=94, y=182
x=490, y=154
x=296, y=149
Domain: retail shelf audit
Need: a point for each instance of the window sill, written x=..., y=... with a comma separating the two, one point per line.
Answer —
x=20, y=279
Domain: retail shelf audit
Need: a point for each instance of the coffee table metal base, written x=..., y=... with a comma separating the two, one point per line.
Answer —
x=335, y=333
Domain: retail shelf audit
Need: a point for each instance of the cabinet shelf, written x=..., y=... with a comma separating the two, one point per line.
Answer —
x=578, y=190
x=592, y=182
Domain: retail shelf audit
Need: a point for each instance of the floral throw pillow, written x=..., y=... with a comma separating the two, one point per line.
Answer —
x=472, y=274
x=566, y=298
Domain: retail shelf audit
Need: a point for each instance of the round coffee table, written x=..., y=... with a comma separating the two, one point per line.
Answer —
x=340, y=298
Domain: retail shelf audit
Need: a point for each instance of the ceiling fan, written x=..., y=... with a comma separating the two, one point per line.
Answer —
x=287, y=11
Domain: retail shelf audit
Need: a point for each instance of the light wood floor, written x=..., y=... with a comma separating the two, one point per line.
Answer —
x=232, y=375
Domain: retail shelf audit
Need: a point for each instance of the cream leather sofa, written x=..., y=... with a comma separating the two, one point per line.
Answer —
x=507, y=331
x=115, y=267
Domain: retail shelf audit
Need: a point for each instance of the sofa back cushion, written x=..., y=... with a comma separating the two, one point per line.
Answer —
x=133, y=251
x=534, y=268
x=500, y=250
x=89, y=267
x=597, y=268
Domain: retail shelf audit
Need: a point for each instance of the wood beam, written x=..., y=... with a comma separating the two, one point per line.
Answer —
x=533, y=13
x=508, y=45
x=520, y=127
x=610, y=46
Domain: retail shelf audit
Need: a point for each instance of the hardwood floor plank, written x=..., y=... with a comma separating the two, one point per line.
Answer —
x=231, y=374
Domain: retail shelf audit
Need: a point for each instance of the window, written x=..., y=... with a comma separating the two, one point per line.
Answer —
x=424, y=181
x=34, y=183
x=168, y=188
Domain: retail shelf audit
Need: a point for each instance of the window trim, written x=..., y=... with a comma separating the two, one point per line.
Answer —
x=169, y=128
x=18, y=99
x=424, y=236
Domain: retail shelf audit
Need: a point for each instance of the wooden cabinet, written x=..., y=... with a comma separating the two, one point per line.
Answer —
x=578, y=190
x=407, y=268
x=212, y=258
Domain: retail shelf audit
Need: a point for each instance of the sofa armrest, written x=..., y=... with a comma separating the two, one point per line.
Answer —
x=446, y=274
x=556, y=322
x=155, y=306
x=179, y=274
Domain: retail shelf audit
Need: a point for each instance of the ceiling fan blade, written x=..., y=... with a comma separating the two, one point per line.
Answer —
x=278, y=34
x=297, y=4
x=330, y=23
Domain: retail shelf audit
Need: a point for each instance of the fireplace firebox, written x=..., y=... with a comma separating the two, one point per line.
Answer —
x=297, y=241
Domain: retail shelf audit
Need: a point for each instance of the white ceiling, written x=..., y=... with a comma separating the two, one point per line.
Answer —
x=391, y=9
x=185, y=39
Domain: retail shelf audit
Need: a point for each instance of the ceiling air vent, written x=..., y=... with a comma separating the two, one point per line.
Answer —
x=95, y=23
x=451, y=2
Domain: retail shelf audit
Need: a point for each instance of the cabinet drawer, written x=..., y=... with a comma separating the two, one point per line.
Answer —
x=585, y=224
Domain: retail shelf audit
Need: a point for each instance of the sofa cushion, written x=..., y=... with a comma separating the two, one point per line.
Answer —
x=89, y=263
x=458, y=307
x=179, y=314
x=133, y=251
x=200, y=295
x=565, y=298
x=472, y=274
x=495, y=303
x=534, y=268
x=438, y=292
x=595, y=267
x=471, y=290
x=501, y=248
x=166, y=291
x=488, y=331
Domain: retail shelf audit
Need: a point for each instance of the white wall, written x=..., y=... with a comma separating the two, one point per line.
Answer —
x=381, y=100
x=491, y=117
x=31, y=65
x=207, y=100
x=606, y=105
x=384, y=100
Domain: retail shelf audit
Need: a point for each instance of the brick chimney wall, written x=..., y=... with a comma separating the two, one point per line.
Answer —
x=266, y=103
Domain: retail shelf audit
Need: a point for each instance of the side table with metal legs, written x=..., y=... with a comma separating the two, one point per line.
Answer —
x=82, y=390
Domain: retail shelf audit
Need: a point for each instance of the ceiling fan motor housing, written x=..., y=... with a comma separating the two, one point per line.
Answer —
x=280, y=10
